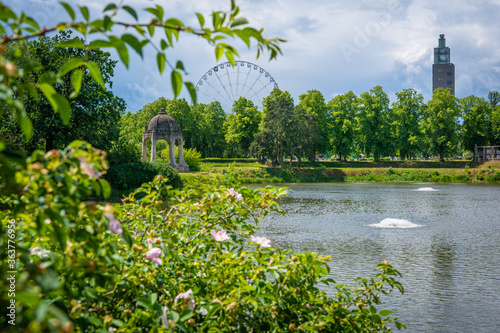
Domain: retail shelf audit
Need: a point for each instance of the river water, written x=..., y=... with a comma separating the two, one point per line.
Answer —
x=443, y=238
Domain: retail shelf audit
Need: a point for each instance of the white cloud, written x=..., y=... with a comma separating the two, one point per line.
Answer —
x=391, y=44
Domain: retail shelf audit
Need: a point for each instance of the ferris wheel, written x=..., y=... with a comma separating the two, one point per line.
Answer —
x=226, y=83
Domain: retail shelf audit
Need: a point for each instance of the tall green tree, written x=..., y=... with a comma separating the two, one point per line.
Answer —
x=374, y=122
x=188, y=120
x=211, y=141
x=313, y=103
x=475, y=113
x=241, y=126
x=439, y=125
x=494, y=98
x=495, y=127
x=405, y=116
x=277, y=110
x=343, y=127
x=303, y=135
x=95, y=111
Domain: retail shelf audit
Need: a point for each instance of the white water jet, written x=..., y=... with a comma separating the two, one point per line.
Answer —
x=395, y=223
x=426, y=189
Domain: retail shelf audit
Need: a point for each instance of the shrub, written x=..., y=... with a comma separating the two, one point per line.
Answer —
x=123, y=152
x=390, y=171
x=461, y=178
x=129, y=176
x=445, y=178
x=467, y=155
x=186, y=265
x=192, y=158
x=493, y=177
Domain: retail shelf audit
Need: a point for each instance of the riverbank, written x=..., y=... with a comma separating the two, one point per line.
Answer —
x=387, y=171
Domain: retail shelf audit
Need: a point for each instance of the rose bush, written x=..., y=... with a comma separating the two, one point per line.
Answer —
x=164, y=259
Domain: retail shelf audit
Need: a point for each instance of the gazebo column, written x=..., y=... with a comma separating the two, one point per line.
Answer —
x=182, y=163
x=172, y=153
x=153, y=150
x=144, y=149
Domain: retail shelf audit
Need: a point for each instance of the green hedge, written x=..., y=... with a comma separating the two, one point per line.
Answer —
x=129, y=176
x=228, y=160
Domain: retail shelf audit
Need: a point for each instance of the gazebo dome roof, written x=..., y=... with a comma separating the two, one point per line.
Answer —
x=162, y=121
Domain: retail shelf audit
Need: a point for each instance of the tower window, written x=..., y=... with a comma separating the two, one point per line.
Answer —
x=449, y=82
x=450, y=73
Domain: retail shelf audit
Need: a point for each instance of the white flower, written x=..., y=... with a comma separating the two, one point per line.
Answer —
x=262, y=241
x=37, y=252
x=114, y=224
x=220, y=236
x=191, y=303
x=237, y=196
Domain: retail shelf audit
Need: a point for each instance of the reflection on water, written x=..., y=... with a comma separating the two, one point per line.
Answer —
x=450, y=263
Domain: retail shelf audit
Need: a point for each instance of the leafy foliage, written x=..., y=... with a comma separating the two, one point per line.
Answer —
x=165, y=260
x=440, y=123
x=129, y=176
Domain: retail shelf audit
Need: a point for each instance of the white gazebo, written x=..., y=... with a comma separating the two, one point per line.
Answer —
x=162, y=126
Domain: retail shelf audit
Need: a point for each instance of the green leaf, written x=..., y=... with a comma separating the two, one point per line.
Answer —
x=179, y=65
x=69, y=66
x=106, y=188
x=163, y=44
x=31, y=22
x=85, y=12
x=75, y=42
x=161, y=59
x=192, y=91
x=201, y=19
x=26, y=126
x=385, y=312
x=174, y=315
x=76, y=82
x=131, y=11
x=60, y=235
x=99, y=43
x=186, y=314
x=133, y=42
x=219, y=51
x=176, y=83
x=230, y=57
x=95, y=73
x=2, y=145
x=110, y=6
x=121, y=48
x=70, y=10
x=151, y=29
x=58, y=102
x=239, y=21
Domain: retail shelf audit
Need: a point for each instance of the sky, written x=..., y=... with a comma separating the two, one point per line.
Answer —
x=332, y=46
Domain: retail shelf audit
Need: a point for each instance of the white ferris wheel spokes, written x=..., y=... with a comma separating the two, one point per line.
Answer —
x=226, y=83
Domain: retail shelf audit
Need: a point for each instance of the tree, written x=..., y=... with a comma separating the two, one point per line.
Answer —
x=440, y=123
x=405, y=116
x=494, y=98
x=495, y=126
x=303, y=135
x=212, y=141
x=132, y=124
x=343, y=112
x=96, y=112
x=475, y=113
x=135, y=36
x=277, y=109
x=188, y=120
x=313, y=103
x=374, y=122
x=241, y=126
